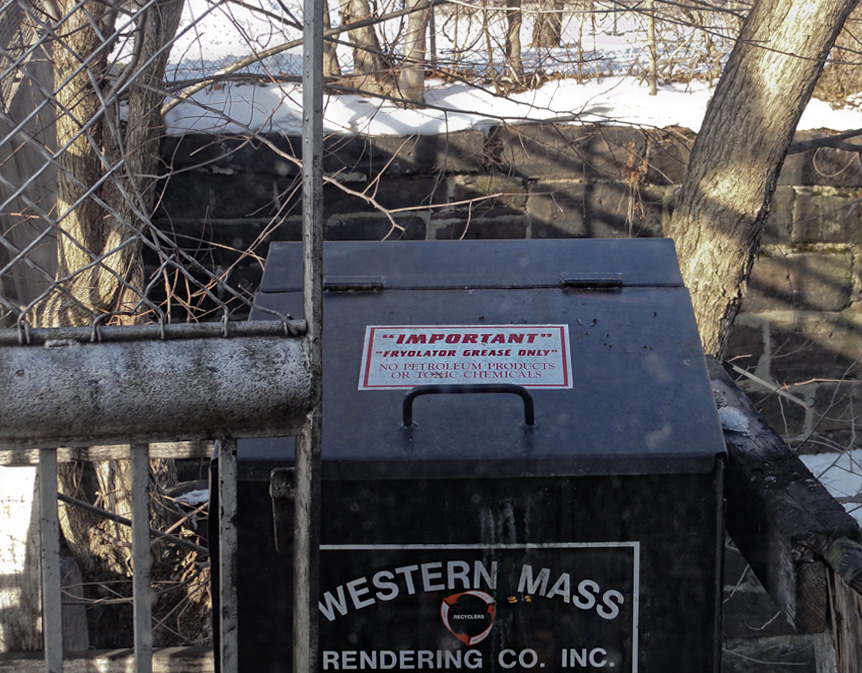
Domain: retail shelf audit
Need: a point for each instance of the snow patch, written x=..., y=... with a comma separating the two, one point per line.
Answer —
x=733, y=420
x=277, y=108
x=195, y=498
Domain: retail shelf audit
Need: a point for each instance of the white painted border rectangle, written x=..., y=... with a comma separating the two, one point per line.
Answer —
x=416, y=358
x=634, y=545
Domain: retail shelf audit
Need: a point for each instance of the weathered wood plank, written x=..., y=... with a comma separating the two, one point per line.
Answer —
x=846, y=625
x=165, y=660
x=179, y=450
x=780, y=516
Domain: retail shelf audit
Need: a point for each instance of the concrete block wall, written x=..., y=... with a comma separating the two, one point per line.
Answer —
x=801, y=324
x=799, y=334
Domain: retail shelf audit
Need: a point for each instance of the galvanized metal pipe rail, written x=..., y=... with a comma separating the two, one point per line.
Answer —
x=76, y=392
x=95, y=333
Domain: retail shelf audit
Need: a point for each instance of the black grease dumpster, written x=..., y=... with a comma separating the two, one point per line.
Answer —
x=522, y=465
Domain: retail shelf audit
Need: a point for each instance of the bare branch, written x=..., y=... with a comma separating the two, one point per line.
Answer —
x=110, y=516
x=835, y=142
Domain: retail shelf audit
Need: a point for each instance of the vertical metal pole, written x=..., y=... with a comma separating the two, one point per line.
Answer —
x=307, y=474
x=227, y=618
x=52, y=610
x=143, y=606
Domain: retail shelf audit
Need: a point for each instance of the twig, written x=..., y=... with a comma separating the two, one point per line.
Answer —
x=98, y=511
x=769, y=386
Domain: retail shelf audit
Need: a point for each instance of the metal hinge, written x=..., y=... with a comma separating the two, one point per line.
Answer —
x=592, y=281
x=353, y=283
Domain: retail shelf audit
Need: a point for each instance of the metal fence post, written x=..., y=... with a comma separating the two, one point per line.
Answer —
x=227, y=618
x=307, y=503
x=143, y=608
x=52, y=611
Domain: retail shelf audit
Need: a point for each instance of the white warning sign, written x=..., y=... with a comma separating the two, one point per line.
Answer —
x=533, y=356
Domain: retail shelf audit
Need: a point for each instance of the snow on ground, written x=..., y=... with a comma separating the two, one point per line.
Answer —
x=273, y=108
x=215, y=34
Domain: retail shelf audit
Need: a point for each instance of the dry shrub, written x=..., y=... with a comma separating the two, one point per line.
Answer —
x=842, y=76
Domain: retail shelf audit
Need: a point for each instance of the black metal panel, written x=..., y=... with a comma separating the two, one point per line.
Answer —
x=668, y=619
x=473, y=539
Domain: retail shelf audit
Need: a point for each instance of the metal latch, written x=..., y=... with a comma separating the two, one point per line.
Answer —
x=282, y=492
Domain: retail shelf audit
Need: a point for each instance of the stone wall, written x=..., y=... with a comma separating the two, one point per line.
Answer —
x=801, y=325
x=800, y=332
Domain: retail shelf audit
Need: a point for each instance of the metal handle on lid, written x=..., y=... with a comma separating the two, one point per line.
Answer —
x=520, y=391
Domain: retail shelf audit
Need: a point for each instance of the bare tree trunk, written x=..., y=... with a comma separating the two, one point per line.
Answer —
x=513, y=41
x=548, y=28
x=21, y=166
x=370, y=69
x=331, y=66
x=735, y=162
x=132, y=194
x=432, y=38
x=145, y=126
x=411, y=81
x=86, y=229
x=489, y=47
x=652, y=53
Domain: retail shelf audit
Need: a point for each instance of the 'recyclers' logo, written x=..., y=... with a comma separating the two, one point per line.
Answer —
x=469, y=615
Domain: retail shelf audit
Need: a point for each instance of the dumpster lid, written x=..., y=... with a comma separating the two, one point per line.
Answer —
x=440, y=265
x=599, y=334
